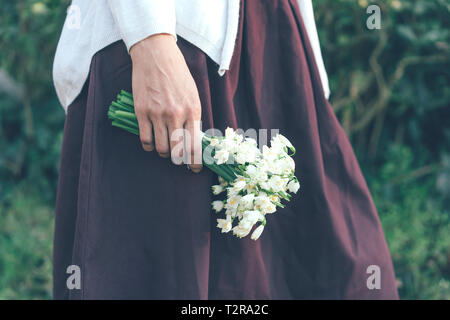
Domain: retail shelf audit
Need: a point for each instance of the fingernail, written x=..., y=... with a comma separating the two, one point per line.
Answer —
x=148, y=147
x=164, y=155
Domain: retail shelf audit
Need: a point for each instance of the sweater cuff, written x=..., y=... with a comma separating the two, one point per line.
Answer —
x=139, y=19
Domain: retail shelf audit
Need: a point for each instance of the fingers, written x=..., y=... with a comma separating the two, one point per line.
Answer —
x=161, y=139
x=145, y=132
x=165, y=132
x=176, y=136
x=170, y=138
x=194, y=145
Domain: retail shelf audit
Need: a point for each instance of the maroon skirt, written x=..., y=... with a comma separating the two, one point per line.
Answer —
x=139, y=227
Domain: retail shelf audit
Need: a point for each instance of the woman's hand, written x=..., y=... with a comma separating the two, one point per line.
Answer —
x=166, y=100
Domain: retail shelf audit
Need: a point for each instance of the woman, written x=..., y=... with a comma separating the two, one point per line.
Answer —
x=139, y=227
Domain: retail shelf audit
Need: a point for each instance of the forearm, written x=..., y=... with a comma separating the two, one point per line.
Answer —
x=139, y=19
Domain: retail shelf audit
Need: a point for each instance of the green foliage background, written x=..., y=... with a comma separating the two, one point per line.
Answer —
x=390, y=89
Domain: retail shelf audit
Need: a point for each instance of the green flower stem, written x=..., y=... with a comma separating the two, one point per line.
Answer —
x=125, y=122
x=126, y=115
x=121, y=106
x=120, y=125
x=127, y=94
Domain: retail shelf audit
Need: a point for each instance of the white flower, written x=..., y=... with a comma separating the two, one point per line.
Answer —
x=269, y=208
x=283, y=166
x=231, y=141
x=293, y=186
x=264, y=185
x=269, y=154
x=246, y=152
x=247, y=201
x=249, y=219
x=231, y=193
x=287, y=165
x=257, y=233
x=217, y=206
x=252, y=171
x=274, y=198
x=252, y=217
x=240, y=158
x=263, y=203
x=274, y=168
x=261, y=175
x=230, y=133
x=229, y=146
x=249, y=188
x=281, y=140
x=241, y=231
x=221, y=156
x=233, y=202
x=214, y=142
x=217, y=189
x=232, y=212
x=224, y=224
x=257, y=175
x=263, y=165
x=239, y=185
x=277, y=183
x=252, y=142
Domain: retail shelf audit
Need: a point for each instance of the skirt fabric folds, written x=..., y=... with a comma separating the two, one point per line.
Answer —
x=139, y=227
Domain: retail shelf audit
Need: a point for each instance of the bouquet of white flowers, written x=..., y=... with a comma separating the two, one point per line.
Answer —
x=254, y=181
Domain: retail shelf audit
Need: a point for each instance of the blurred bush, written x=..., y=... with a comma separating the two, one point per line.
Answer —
x=31, y=123
x=390, y=89
x=416, y=222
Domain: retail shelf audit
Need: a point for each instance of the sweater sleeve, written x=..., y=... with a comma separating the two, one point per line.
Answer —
x=139, y=19
x=306, y=10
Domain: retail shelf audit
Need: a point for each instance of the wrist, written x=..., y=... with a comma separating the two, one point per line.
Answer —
x=154, y=42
